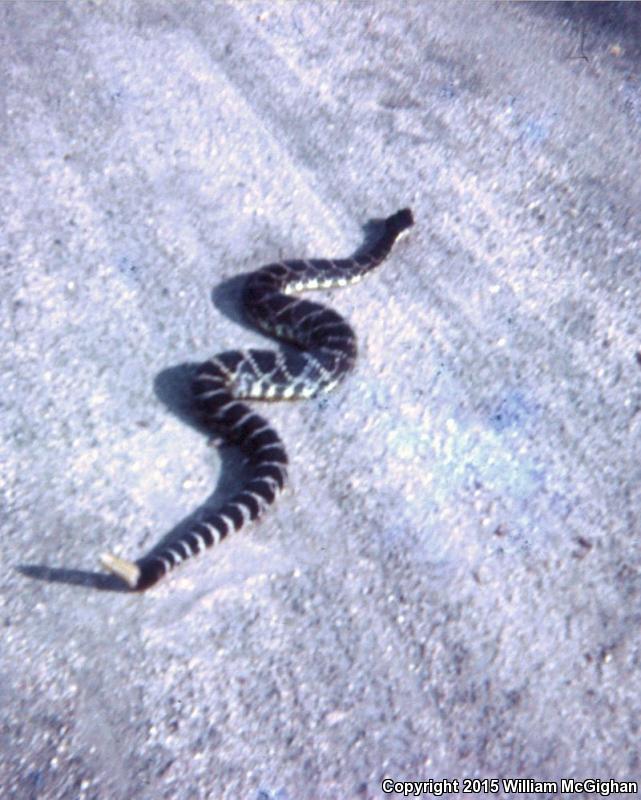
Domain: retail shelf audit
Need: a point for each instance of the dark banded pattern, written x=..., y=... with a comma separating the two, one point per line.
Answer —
x=325, y=352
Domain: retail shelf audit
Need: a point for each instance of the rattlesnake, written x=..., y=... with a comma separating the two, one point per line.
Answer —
x=324, y=352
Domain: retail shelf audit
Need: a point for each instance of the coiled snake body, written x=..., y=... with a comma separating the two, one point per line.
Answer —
x=325, y=352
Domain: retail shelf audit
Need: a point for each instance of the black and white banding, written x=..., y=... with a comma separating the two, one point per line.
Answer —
x=325, y=352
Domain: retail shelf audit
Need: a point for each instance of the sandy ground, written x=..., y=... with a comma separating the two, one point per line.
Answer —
x=451, y=587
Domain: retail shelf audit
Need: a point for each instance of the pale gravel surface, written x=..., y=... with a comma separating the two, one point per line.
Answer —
x=451, y=586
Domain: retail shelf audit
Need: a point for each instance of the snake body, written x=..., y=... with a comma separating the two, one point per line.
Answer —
x=325, y=351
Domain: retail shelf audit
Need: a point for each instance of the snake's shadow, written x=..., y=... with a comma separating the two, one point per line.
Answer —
x=172, y=386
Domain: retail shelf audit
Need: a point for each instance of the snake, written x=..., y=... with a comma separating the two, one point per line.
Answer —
x=322, y=351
